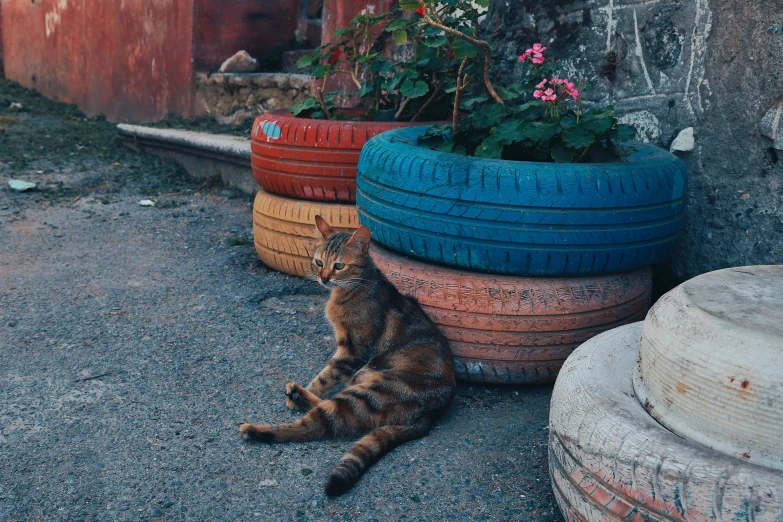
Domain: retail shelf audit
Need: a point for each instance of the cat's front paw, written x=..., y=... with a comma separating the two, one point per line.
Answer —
x=258, y=432
x=291, y=396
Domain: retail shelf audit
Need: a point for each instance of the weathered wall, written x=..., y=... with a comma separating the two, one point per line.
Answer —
x=1, y=37
x=338, y=14
x=714, y=65
x=127, y=60
x=224, y=27
x=234, y=98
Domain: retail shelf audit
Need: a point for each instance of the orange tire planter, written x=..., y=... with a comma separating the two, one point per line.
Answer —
x=284, y=230
x=310, y=159
x=516, y=330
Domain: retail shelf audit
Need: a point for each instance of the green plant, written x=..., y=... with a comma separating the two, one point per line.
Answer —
x=540, y=118
x=411, y=81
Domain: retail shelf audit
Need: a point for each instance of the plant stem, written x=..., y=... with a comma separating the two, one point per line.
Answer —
x=458, y=95
x=479, y=43
x=320, y=99
x=403, y=105
x=427, y=103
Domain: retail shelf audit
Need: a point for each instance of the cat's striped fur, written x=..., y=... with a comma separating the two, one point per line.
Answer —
x=397, y=367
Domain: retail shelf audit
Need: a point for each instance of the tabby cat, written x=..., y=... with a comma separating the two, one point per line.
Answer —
x=397, y=367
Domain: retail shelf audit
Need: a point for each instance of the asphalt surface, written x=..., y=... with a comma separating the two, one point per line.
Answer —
x=135, y=340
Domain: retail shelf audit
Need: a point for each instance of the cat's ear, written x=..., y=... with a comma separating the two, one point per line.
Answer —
x=323, y=227
x=360, y=238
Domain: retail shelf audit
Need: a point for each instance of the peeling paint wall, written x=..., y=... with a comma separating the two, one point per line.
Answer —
x=1, y=37
x=129, y=60
x=666, y=65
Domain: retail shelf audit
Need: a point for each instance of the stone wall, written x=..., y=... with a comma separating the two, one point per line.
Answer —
x=715, y=66
x=233, y=98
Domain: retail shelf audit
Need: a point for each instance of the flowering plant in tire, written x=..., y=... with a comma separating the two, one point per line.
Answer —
x=409, y=82
x=539, y=118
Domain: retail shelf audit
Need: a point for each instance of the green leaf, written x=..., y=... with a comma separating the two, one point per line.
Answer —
x=489, y=148
x=562, y=154
x=411, y=90
x=528, y=109
x=488, y=116
x=400, y=36
x=436, y=41
x=440, y=130
x=409, y=5
x=540, y=131
x=305, y=61
x=506, y=94
x=578, y=136
x=624, y=132
x=469, y=103
x=367, y=88
x=399, y=23
x=568, y=121
x=306, y=104
x=510, y=131
x=446, y=146
x=319, y=71
x=464, y=49
x=482, y=3
x=598, y=123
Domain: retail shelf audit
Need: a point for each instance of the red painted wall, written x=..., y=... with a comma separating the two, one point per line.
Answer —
x=338, y=14
x=224, y=27
x=1, y=37
x=129, y=60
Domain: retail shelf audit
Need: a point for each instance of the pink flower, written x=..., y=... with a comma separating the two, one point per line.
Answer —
x=538, y=94
x=534, y=54
x=557, y=81
x=574, y=93
x=541, y=85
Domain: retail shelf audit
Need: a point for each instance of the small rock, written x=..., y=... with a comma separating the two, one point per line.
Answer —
x=147, y=203
x=241, y=62
x=771, y=126
x=20, y=185
x=16, y=105
x=684, y=142
x=268, y=482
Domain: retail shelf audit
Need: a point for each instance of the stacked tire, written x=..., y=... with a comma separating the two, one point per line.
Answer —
x=678, y=417
x=519, y=263
x=305, y=168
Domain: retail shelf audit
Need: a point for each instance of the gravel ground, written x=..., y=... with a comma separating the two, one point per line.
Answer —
x=135, y=340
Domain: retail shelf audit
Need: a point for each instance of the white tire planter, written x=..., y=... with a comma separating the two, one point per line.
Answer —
x=711, y=362
x=610, y=460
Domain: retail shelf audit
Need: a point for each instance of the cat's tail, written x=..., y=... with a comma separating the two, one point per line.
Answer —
x=368, y=450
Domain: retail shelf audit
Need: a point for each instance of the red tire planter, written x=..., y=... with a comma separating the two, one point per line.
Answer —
x=310, y=159
x=517, y=330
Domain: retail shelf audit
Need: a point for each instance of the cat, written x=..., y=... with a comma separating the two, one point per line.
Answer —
x=397, y=367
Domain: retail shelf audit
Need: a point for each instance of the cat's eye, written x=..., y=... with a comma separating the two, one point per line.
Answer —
x=339, y=266
x=319, y=262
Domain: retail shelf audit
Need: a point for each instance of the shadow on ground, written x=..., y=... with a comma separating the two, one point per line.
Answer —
x=135, y=340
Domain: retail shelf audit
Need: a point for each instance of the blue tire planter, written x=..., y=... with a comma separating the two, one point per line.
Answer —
x=522, y=218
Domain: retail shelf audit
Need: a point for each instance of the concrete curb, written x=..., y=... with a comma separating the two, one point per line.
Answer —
x=202, y=154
